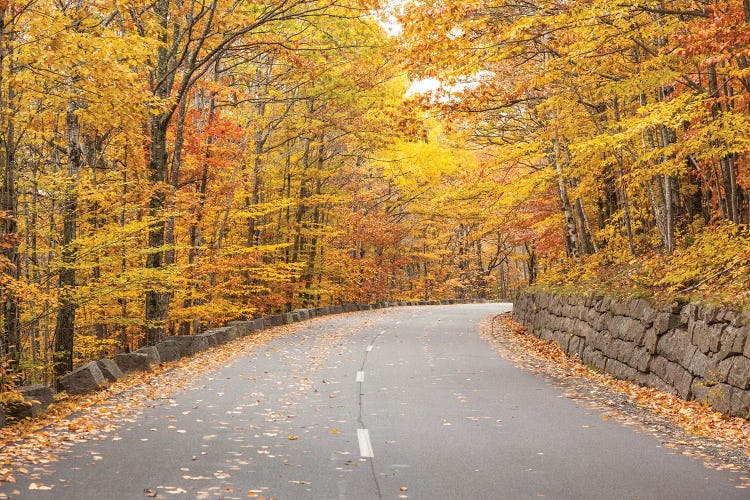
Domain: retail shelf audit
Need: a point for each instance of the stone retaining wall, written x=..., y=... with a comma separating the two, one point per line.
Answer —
x=96, y=374
x=695, y=351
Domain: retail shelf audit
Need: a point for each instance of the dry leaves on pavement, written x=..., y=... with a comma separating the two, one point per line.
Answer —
x=75, y=419
x=694, y=428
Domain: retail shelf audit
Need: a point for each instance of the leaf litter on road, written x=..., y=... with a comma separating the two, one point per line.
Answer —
x=692, y=428
x=77, y=419
x=121, y=406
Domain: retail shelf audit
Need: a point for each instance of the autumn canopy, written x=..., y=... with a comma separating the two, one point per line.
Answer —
x=175, y=164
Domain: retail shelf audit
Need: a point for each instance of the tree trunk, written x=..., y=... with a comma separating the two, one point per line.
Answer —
x=174, y=180
x=10, y=335
x=157, y=301
x=571, y=234
x=730, y=204
x=586, y=242
x=65, y=327
x=93, y=158
x=123, y=334
x=10, y=340
x=32, y=269
x=667, y=138
x=530, y=263
x=622, y=191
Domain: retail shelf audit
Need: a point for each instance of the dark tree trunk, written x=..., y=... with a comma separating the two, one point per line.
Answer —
x=157, y=301
x=11, y=329
x=66, y=316
x=10, y=334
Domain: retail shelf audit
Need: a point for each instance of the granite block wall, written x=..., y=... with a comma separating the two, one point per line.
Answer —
x=698, y=352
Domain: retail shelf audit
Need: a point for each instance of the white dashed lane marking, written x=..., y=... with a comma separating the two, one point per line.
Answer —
x=365, y=446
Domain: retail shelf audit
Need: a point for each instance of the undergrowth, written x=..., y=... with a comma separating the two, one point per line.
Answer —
x=712, y=266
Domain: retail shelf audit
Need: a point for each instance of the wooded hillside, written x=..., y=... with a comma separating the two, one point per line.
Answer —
x=619, y=132
x=175, y=164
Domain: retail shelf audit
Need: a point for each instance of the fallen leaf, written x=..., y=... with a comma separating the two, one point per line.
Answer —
x=39, y=486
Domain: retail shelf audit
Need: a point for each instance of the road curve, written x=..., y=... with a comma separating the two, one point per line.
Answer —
x=397, y=403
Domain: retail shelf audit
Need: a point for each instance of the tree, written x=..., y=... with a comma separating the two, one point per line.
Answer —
x=606, y=99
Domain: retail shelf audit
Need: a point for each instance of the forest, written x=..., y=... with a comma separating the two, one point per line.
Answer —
x=171, y=165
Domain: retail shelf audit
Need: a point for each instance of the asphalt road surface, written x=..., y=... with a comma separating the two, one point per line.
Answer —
x=396, y=403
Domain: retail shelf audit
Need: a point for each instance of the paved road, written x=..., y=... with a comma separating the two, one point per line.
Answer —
x=399, y=403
